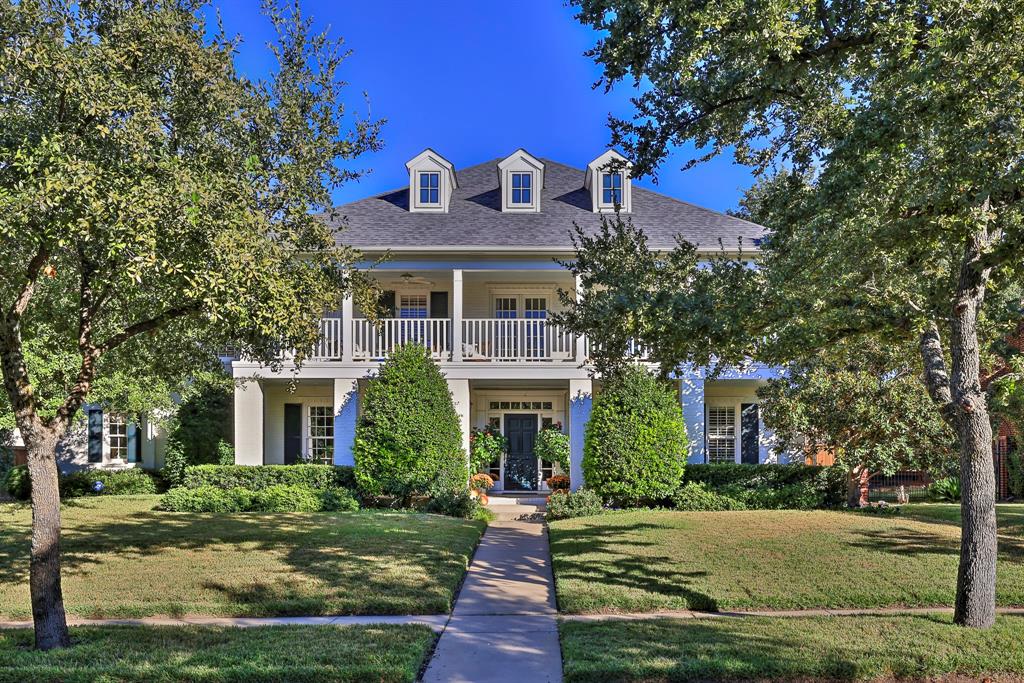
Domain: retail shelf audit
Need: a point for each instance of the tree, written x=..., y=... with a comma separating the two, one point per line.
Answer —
x=634, y=446
x=896, y=129
x=408, y=439
x=156, y=204
x=866, y=404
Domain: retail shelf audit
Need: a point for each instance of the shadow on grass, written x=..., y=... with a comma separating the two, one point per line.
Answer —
x=574, y=552
x=369, y=561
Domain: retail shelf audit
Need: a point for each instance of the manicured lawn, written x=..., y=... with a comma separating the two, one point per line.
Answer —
x=642, y=561
x=805, y=648
x=122, y=558
x=221, y=654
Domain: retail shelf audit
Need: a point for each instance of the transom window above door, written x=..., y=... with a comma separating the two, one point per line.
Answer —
x=522, y=188
x=413, y=306
x=430, y=184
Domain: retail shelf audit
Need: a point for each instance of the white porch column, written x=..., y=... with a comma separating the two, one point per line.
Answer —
x=456, y=315
x=460, y=398
x=346, y=329
x=581, y=343
x=581, y=393
x=346, y=413
x=691, y=396
x=249, y=423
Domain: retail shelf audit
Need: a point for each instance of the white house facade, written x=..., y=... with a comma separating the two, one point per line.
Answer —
x=472, y=274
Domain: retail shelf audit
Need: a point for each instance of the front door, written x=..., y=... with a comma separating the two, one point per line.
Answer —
x=520, y=462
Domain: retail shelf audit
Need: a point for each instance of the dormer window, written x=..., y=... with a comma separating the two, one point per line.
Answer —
x=522, y=188
x=521, y=181
x=430, y=188
x=431, y=182
x=611, y=189
x=608, y=180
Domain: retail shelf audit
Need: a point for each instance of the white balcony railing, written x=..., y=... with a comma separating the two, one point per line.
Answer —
x=515, y=340
x=329, y=346
x=375, y=342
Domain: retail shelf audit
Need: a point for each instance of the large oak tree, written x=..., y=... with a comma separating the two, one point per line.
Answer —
x=896, y=130
x=154, y=204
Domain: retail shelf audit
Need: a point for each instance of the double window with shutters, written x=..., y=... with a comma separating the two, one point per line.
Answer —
x=732, y=433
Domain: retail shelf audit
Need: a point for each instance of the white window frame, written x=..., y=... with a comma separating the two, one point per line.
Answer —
x=109, y=421
x=622, y=189
x=307, y=430
x=532, y=189
x=420, y=188
x=734, y=408
x=557, y=413
x=410, y=293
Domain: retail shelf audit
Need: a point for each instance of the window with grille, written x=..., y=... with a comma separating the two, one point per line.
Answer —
x=413, y=306
x=430, y=188
x=547, y=467
x=117, y=437
x=321, y=435
x=721, y=434
x=611, y=188
x=522, y=188
x=536, y=309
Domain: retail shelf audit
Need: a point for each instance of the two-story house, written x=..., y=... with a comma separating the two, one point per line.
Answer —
x=472, y=274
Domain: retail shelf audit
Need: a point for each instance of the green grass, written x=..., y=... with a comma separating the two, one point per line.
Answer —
x=124, y=559
x=803, y=648
x=642, y=561
x=221, y=654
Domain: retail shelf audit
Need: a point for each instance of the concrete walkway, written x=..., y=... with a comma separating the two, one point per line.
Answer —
x=504, y=625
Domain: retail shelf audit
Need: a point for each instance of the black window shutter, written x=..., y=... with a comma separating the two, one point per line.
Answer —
x=138, y=442
x=387, y=303
x=439, y=304
x=749, y=433
x=95, y=435
x=292, y=433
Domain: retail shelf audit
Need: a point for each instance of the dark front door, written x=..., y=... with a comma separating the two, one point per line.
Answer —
x=520, y=462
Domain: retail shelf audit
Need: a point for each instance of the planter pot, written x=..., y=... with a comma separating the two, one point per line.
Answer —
x=484, y=500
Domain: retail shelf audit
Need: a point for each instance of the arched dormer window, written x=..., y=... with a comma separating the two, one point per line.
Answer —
x=609, y=182
x=431, y=182
x=521, y=179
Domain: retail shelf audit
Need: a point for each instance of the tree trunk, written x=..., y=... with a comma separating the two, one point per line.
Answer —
x=857, y=487
x=51, y=629
x=976, y=576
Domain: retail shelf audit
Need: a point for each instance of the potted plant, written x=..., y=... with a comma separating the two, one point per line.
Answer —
x=553, y=445
x=558, y=483
x=486, y=446
x=479, y=485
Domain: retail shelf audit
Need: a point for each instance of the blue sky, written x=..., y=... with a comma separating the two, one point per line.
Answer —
x=476, y=79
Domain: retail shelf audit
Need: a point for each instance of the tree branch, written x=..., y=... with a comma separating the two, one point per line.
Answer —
x=147, y=325
x=936, y=378
x=29, y=287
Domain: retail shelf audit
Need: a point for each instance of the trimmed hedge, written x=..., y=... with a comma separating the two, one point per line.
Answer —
x=115, y=483
x=634, y=446
x=259, y=477
x=409, y=438
x=776, y=487
x=694, y=497
x=275, y=498
x=126, y=482
x=581, y=503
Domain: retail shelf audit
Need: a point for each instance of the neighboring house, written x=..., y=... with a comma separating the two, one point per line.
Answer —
x=472, y=275
x=105, y=440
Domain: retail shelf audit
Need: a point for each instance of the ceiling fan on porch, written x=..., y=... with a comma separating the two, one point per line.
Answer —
x=410, y=279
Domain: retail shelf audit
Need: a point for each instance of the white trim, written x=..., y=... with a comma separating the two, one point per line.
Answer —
x=734, y=404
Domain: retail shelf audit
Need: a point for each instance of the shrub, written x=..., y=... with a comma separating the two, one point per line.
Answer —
x=801, y=487
x=206, y=499
x=258, y=477
x=454, y=503
x=485, y=447
x=17, y=483
x=634, y=448
x=553, y=445
x=693, y=497
x=581, y=503
x=175, y=463
x=947, y=490
x=339, y=500
x=287, y=498
x=408, y=439
x=879, y=508
x=114, y=483
x=225, y=453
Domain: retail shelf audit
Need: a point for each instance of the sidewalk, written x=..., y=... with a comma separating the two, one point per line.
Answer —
x=504, y=626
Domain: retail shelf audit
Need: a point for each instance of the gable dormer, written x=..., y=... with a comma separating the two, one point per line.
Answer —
x=520, y=179
x=431, y=182
x=609, y=182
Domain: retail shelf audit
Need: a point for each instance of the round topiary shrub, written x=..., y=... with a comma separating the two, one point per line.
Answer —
x=408, y=439
x=634, y=447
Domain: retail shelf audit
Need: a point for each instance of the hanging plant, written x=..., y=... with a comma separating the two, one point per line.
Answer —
x=485, y=446
x=553, y=445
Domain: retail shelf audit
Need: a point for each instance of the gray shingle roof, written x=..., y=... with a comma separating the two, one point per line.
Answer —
x=475, y=218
